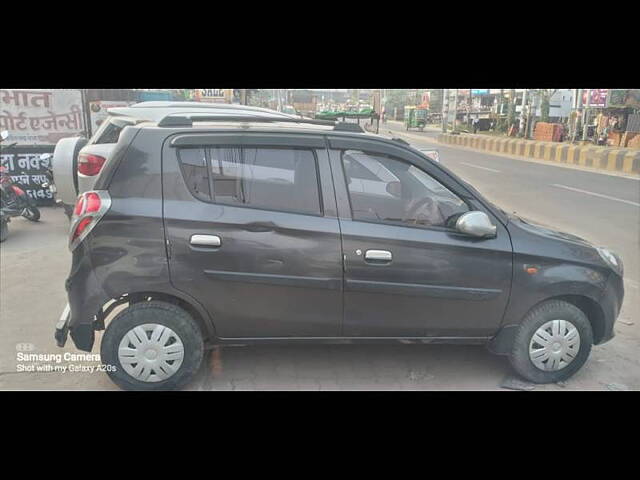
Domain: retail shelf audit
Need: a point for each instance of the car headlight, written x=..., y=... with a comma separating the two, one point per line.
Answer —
x=611, y=259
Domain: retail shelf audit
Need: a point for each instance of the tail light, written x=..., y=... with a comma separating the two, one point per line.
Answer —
x=90, y=208
x=89, y=164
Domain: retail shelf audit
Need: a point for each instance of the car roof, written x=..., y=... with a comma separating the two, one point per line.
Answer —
x=157, y=110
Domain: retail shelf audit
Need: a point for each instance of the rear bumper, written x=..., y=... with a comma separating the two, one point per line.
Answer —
x=86, y=298
x=62, y=327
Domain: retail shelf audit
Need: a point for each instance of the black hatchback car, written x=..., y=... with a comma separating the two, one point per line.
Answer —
x=252, y=227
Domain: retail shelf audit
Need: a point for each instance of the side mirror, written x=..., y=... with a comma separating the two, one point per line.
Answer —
x=476, y=224
x=394, y=189
x=4, y=134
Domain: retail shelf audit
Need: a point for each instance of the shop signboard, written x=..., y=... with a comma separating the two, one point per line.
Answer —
x=480, y=92
x=36, y=119
x=598, y=97
x=26, y=167
x=98, y=111
x=41, y=116
x=212, y=95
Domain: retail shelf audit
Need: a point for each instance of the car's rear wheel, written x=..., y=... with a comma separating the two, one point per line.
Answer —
x=152, y=346
x=553, y=342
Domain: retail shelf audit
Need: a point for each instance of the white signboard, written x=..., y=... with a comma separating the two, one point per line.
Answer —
x=41, y=116
x=98, y=111
x=212, y=95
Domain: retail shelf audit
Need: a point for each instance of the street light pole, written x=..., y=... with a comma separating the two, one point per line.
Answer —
x=523, y=114
x=455, y=108
x=585, y=125
x=445, y=109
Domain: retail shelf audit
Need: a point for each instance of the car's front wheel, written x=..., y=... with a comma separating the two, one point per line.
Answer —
x=552, y=343
x=152, y=346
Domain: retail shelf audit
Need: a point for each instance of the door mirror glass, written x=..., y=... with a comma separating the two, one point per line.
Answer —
x=476, y=224
x=4, y=134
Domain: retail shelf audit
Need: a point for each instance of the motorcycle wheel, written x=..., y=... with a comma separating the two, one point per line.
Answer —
x=31, y=213
x=4, y=230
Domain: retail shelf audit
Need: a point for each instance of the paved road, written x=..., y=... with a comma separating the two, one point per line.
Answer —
x=34, y=262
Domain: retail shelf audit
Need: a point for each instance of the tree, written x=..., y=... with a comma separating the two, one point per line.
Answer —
x=395, y=99
x=435, y=100
x=545, y=95
x=511, y=114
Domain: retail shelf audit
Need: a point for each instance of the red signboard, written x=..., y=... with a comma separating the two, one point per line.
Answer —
x=598, y=97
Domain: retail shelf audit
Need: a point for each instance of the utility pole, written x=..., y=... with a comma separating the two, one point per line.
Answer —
x=585, y=124
x=522, y=131
x=445, y=109
x=455, y=108
x=532, y=112
x=470, y=105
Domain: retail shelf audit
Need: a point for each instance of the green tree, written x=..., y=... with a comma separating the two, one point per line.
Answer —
x=511, y=113
x=545, y=95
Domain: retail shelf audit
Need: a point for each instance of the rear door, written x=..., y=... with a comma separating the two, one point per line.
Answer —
x=408, y=273
x=253, y=234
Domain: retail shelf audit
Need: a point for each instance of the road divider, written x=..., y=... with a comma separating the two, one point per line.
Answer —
x=624, y=160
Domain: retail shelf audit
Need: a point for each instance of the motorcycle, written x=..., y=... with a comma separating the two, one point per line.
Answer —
x=14, y=201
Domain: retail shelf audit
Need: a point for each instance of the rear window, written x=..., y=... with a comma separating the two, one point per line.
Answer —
x=109, y=130
x=283, y=179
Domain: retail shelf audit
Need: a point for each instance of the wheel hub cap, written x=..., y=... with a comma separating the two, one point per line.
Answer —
x=151, y=352
x=554, y=345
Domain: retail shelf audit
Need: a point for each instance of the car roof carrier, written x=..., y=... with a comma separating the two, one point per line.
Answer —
x=400, y=140
x=348, y=127
x=186, y=120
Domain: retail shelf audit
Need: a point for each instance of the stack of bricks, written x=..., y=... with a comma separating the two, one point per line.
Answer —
x=548, y=132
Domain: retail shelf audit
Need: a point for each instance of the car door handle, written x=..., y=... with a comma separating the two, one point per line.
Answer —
x=381, y=256
x=205, y=240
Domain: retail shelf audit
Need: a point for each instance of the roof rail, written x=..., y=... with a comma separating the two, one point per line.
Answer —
x=182, y=120
x=400, y=140
x=348, y=127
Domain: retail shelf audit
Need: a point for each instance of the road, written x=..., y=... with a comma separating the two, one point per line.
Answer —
x=605, y=209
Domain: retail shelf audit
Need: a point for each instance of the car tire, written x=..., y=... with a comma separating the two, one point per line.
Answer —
x=560, y=343
x=172, y=321
x=33, y=214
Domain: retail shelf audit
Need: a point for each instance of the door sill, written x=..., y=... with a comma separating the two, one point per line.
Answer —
x=351, y=340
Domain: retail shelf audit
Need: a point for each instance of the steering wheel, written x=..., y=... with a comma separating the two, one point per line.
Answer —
x=417, y=206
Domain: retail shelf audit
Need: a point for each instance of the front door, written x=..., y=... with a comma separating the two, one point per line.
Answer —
x=253, y=234
x=408, y=273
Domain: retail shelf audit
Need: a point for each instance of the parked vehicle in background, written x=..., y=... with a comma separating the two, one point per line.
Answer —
x=249, y=227
x=415, y=117
x=50, y=184
x=14, y=201
x=77, y=161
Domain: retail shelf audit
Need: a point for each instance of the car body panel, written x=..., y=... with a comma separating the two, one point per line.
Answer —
x=274, y=274
x=64, y=165
x=436, y=276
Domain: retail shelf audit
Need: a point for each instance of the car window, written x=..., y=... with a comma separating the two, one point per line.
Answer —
x=195, y=171
x=108, y=132
x=386, y=189
x=282, y=179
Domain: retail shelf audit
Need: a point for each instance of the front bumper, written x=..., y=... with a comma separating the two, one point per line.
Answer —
x=611, y=303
